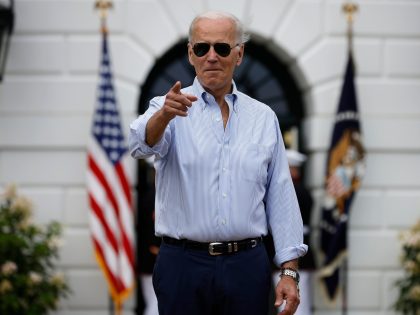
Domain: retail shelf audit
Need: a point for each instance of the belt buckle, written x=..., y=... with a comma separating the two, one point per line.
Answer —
x=211, y=248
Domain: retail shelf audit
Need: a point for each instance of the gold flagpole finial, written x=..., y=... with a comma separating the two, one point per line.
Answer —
x=349, y=10
x=103, y=6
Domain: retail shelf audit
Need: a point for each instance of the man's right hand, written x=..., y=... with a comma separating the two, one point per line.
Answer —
x=176, y=104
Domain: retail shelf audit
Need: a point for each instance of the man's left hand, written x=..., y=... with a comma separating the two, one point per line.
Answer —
x=287, y=292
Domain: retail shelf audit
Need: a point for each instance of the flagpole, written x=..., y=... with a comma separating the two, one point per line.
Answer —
x=111, y=305
x=103, y=6
x=349, y=10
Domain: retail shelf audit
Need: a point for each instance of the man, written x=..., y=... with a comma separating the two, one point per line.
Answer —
x=222, y=181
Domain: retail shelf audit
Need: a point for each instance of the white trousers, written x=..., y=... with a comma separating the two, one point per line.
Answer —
x=305, y=288
x=149, y=295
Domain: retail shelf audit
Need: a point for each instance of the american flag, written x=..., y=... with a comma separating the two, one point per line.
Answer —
x=111, y=215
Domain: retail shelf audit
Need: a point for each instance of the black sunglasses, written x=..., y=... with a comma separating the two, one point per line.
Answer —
x=222, y=49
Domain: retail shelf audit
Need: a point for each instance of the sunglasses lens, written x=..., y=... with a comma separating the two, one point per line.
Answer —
x=222, y=49
x=200, y=49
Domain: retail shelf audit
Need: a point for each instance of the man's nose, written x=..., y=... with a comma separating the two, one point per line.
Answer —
x=212, y=53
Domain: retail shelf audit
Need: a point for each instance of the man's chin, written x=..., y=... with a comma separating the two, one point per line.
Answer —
x=211, y=81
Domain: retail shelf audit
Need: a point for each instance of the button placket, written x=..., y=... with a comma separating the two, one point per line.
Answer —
x=224, y=200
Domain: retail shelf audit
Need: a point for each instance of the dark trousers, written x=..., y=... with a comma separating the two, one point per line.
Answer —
x=192, y=282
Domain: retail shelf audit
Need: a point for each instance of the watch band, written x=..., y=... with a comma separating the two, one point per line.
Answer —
x=291, y=273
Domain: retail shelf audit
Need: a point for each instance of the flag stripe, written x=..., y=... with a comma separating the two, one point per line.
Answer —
x=109, y=255
x=110, y=175
x=127, y=271
x=121, y=204
x=124, y=182
x=99, y=195
x=105, y=266
x=100, y=216
x=125, y=217
x=99, y=174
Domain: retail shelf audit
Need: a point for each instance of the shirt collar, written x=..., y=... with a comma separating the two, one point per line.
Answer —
x=205, y=95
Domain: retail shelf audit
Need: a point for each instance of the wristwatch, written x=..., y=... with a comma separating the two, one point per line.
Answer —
x=291, y=273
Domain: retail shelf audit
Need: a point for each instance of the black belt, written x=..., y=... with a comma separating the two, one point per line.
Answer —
x=215, y=248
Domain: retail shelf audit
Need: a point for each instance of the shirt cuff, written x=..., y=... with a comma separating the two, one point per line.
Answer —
x=290, y=253
x=139, y=127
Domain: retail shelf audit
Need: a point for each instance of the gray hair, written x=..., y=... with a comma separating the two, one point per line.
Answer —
x=241, y=36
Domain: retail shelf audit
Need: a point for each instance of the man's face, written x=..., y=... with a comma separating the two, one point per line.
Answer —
x=214, y=71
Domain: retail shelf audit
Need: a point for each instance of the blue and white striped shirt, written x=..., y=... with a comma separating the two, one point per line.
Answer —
x=222, y=184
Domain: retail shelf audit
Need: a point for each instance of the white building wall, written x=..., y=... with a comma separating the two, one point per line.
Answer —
x=48, y=95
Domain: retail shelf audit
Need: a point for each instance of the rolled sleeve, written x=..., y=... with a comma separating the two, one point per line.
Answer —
x=137, y=135
x=290, y=253
x=282, y=207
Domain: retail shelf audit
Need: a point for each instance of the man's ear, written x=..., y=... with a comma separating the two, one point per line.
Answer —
x=240, y=55
x=190, y=54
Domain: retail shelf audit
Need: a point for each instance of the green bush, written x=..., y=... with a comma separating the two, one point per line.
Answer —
x=408, y=302
x=28, y=252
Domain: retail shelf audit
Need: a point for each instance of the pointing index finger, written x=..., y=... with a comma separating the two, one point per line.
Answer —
x=176, y=88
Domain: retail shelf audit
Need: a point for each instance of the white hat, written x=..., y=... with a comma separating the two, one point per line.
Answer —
x=295, y=158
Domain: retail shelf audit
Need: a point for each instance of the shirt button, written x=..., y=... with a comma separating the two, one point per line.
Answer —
x=223, y=221
x=224, y=195
x=224, y=169
x=217, y=119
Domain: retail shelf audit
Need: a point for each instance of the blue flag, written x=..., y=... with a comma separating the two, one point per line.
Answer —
x=344, y=171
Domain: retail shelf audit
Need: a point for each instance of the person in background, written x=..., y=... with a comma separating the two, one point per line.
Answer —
x=148, y=243
x=222, y=182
